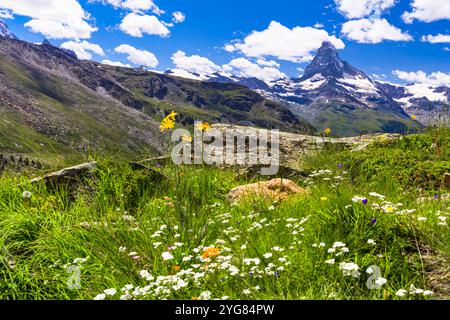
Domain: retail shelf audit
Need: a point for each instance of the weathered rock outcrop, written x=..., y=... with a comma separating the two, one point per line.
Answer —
x=275, y=189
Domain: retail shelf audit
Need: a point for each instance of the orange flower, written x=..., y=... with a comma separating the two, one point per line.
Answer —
x=210, y=253
x=176, y=268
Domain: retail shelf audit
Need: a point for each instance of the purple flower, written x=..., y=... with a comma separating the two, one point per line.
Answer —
x=373, y=221
x=251, y=274
x=340, y=165
x=276, y=274
x=436, y=197
x=158, y=165
x=364, y=201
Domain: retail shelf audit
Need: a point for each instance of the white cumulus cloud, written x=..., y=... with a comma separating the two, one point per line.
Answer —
x=243, y=67
x=361, y=8
x=427, y=11
x=137, y=56
x=230, y=48
x=439, y=38
x=83, y=49
x=136, y=25
x=373, y=31
x=296, y=44
x=194, y=63
x=433, y=79
x=135, y=5
x=56, y=19
x=268, y=63
x=116, y=63
x=178, y=17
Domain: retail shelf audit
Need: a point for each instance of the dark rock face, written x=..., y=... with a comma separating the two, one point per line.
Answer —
x=328, y=64
x=196, y=99
x=254, y=83
x=155, y=88
x=70, y=53
x=445, y=90
x=395, y=92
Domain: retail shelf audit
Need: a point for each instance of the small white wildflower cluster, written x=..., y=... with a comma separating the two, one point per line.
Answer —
x=210, y=260
x=326, y=175
x=107, y=292
x=319, y=173
x=319, y=245
x=76, y=262
x=263, y=223
x=349, y=269
x=377, y=195
x=387, y=206
x=406, y=211
x=295, y=227
x=278, y=264
x=442, y=217
x=338, y=249
x=413, y=291
x=357, y=199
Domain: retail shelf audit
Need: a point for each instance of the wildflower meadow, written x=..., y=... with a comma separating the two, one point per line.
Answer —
x=374, y=224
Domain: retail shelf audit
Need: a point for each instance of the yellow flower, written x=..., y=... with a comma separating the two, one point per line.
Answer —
x=323, y=198
x=186, y=138
x=327, y=130
x=168, y=122
x=414, y=117
x=203, y=126
x=172, y=115
x=383, y=138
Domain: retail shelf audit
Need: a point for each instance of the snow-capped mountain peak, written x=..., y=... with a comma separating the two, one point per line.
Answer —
x=424, y=101
x=331, y=87
x=328, y=63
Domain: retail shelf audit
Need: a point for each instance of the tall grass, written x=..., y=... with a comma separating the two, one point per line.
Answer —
x=125, y=222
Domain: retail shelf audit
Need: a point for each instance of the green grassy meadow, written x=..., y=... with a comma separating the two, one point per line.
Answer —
x=375, y=225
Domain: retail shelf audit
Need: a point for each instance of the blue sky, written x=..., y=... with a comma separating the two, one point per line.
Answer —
x=395, y=40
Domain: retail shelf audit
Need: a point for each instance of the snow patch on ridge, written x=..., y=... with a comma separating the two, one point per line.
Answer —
x=423, y=90
x=359, y=84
